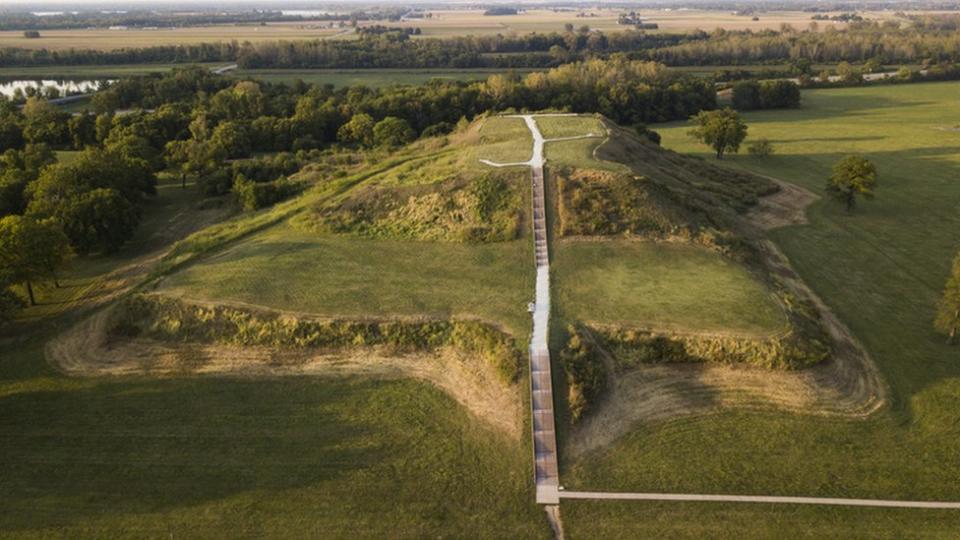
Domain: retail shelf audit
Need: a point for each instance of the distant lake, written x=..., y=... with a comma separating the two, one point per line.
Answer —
x=7, y=88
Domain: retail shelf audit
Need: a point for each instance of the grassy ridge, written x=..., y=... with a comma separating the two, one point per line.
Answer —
x=881, y=271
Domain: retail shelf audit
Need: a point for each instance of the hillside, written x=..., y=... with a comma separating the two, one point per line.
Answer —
x=416, y=263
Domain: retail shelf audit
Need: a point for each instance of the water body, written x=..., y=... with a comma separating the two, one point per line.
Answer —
x=8, y=88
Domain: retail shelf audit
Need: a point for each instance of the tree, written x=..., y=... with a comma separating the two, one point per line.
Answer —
x=393, y=131
x=10, y=303
x=31, y=250
x=852, y=176
x=359, y=130
x=233, y=138
x=101, y=219
x=722, y=130
x=83, y=130
x=746, y=95
x=948, y=311
x=44, y=122
x=779, y=94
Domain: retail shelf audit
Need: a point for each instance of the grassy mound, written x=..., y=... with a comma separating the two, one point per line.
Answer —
x=677, y=277
x=169, y=319
x=484, y=208
x=442, y=193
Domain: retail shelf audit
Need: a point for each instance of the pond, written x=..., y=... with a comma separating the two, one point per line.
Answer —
x=9, y=88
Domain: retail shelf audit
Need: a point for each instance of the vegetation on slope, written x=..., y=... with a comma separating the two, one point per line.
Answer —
x=655, y=195
x=169, y=319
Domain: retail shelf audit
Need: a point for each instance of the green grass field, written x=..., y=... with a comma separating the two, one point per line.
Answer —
x=109, y=71
x=554, y=127
x=668, y=287
x=354, y=277
x=881, y=270
x=221, y=457
x=226, y=458
x=505, y=140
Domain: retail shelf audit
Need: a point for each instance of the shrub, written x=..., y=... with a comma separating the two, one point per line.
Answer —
x=585, y=373
x=760, y=148
x=435, y=130
x=256, y=195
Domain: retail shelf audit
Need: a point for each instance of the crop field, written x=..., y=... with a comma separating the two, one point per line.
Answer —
x=442, y=23
x=881, y=270
x=105, y=39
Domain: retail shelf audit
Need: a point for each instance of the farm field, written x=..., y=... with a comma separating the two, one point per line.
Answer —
x=881, y=270
x=443, y=23
x=104, y=39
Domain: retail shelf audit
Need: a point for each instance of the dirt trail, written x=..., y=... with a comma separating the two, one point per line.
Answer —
x=87, y=351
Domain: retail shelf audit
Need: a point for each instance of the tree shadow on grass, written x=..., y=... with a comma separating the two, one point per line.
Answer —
x=149, y=446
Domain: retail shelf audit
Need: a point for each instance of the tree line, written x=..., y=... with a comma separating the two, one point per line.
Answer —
x=860, y=42
x=389, y=49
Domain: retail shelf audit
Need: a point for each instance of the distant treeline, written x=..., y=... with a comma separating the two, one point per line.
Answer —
x=392, y=49
x=929, y=39
x=142, y=19
x=863, y=41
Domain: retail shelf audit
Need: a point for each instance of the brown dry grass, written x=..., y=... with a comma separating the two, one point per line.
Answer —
x=86, y=350
x=786, y=207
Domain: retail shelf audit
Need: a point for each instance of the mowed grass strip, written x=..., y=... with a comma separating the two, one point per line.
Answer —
x=881, y=270
x=295, y=457
x=661, y=286
x=505, y=140
x=553, y=127
x=287, y=269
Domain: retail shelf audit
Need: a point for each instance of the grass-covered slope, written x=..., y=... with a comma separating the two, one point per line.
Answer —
x=676, y=258
x=880, y=270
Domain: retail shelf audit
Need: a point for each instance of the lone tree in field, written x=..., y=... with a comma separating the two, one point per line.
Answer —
x=852, y=176
x=722, y=130
x=948, y=312
x=31, y=251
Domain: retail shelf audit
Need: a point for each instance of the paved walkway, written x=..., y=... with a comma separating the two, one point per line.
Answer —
x=546, y=473
x=772, y=499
